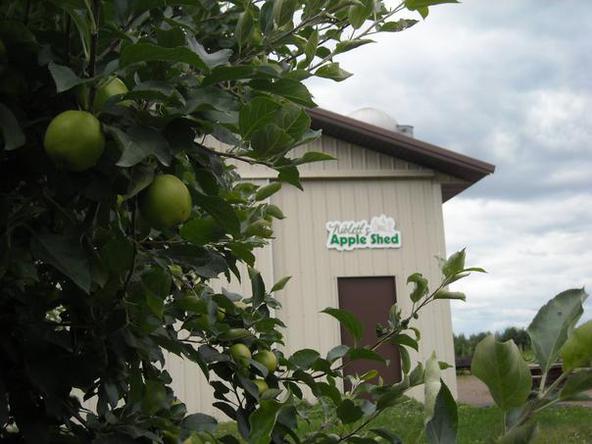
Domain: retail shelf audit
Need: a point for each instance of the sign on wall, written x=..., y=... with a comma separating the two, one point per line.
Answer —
x=351, y=235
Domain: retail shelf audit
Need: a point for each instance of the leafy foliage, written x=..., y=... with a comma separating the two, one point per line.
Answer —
x=505, y=372
x=93, y=294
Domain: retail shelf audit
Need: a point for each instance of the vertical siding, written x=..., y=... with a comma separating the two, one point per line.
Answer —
x=189, y=383
x=348, y=157
x=300, y=250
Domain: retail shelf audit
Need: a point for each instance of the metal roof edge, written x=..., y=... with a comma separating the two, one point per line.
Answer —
x=401, y=146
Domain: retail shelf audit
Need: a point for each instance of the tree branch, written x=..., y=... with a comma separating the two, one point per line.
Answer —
x=235, y=156
x=94, y=37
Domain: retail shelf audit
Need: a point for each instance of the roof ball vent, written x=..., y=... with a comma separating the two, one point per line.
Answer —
x=381, y=119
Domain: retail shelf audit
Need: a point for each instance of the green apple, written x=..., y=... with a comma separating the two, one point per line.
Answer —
x=268, y=359
x=261, y=385
x=240, y=353
x=112, y=87
x=166, y=202
x=74, y=140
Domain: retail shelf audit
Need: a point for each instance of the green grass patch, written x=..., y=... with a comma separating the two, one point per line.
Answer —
x=558, y=424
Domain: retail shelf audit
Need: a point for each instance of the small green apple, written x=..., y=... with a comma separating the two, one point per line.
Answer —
x=112, y=87
x=261, y=385
x=240, y=353
x=268, y=359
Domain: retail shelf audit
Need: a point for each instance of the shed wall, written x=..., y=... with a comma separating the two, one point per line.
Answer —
x=359, y=185
x=300, y=251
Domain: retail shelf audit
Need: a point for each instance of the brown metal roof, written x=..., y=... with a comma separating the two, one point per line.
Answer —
x=468, y=169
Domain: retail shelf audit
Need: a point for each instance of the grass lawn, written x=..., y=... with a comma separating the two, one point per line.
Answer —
x=559, y=424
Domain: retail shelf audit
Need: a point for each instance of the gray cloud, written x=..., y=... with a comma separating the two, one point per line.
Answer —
x=507, y=82
x=504, y=81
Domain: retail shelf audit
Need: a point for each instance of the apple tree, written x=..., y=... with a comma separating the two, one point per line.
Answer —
x=116, y=214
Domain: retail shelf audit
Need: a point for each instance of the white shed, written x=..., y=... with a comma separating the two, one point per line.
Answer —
x=384, y=196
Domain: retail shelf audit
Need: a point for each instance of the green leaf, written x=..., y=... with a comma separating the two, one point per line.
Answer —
x=454, y=264
x=405, y=360
x=337, y=352
x=550, y=327
x=66, y=254
x=403, y=339
x=213, y=59
x=274, y=211
x=156, y=283
x=244, y=28
x=156, y=91
x=349, y=412
x=199, y=422
x=294, y=121
x=433, y=383
x=279, y=285
x=63, y=77
x=226, y=73
x=117, y=254
x=289, y=89
x=10, y=132
x=141, y=177
x=267, y=190
x=502, y=368
x=522, y=434
x=304, y=358
x=154, y=396
x=256, y=114
x=445, y=294
x=257, y=287
x=220, y=210
x=576, y=386
x=138, y=143
x=421, y=286
x=202, y=261
x=332, y=71
x=348, y=321
x=444, y=365
x=200, y=231
x=262, y=422
x=290, y=175
x=348, y=45
x=271, y=140
x=283, y=11
x=424, y=11
x=313, y=156
x=577, y=350
x=387, y=435
x=391, y=395
x=414, y=5
x=442, y=428
x=79, y=15
x=149, y=52
x=359, y=13
x=310, y=49
x=364, y=353
x=398, y=26
x=416, y=377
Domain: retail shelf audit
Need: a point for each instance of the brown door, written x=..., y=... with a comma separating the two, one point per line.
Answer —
x=370, y=299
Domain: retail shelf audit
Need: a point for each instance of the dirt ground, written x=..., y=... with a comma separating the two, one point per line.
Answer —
x=473, y=392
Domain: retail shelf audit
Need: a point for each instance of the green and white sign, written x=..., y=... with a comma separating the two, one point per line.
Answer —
x=351, y=235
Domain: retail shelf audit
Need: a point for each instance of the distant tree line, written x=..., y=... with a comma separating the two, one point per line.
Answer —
x=464, y=346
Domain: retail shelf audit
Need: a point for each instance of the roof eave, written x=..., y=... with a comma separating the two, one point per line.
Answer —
x=403, y=147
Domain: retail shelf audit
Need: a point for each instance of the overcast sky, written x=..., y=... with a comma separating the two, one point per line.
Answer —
x=508, y=82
